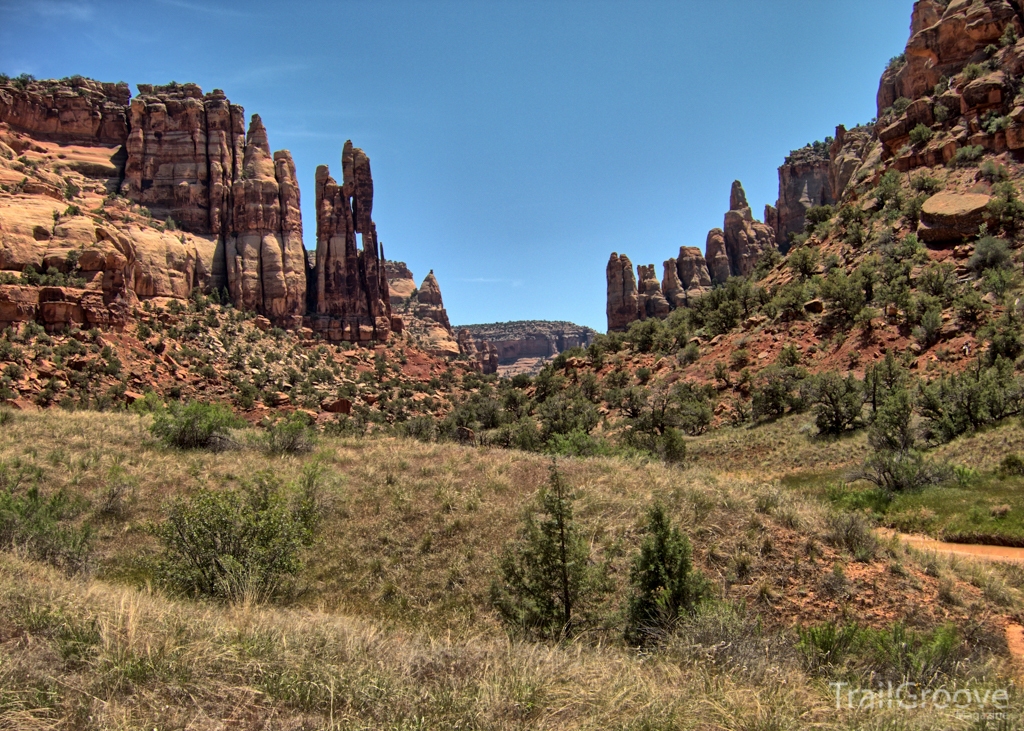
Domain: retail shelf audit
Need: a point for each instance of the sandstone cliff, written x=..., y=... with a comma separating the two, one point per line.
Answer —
x=523, y=346
x=203, y=204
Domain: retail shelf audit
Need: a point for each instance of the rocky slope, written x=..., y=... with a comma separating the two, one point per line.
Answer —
x=951, y=99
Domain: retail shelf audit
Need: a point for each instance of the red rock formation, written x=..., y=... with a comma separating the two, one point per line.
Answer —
x=185, y=150
x=804, y=182
x=944, y=38
x=484, y=354
x=717, y=257
x=266, y=261
x=430, y=305
x=69, y=110
x=692, y=273
x=746, y=240
x=623, y=300
x=651, y=301
x=350, y=299
x=401, y=284
x=847, y=154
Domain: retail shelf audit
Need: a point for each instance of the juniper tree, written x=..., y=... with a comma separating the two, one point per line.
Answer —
x=663, y=580
x=545, y=575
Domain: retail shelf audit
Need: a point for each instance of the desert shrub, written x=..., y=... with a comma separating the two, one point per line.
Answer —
x=1012, y=464
x=663, y=582
x=851, y=532
x=927, y=332
x=195, y=426
x=967, y=156
x=924, y=183
x=826, y=647
x=1005, y=210
x=891, y=426
x=837, y=402
x=803, y=260
x=773, y=392
x=291, y=435
x=545, y=575
x=1004, y=337
x=42, y=525
x=964, y=402
x=888, y=192
x=816, y=219
x=993, y=172
x=237, y=544
x=989, y=253
x=972, y=71
x=969, y=307
x=843, y=296
x=920, y=135
x=567, y=412
x=903, y=471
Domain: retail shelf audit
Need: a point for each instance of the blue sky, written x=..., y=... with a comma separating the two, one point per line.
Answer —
x=514, y=145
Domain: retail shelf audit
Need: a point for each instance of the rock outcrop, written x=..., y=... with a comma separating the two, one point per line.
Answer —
x=692, y=274
x=74, y=110
x=952, y=217
x=483, y=353
x=528, y=340
x=401, y=284
x=805, y=181
x=430, y=306
x=623, y=299
x=350, y=298
x=651, y=301
x=185, y=150
x=265, y=258
x=746, y=240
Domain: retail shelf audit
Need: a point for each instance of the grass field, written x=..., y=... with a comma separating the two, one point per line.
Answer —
x=390, y=623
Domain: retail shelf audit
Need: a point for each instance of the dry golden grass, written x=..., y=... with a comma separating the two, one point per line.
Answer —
x=394, y=628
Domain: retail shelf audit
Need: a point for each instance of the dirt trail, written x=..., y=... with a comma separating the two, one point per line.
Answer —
x=983, y=552
x=1014, y=632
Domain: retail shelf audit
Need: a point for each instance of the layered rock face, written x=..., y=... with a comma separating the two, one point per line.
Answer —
x=350, y=298
x=430, y=306
x=401, y=284
x=264, y=255
x=805, y=181
x=651, y=301
x=955, y=76
x=483, y=353
x=746, y=240
x=529, y=339
x=75, y=110
x=185, y=150
x=623, y=299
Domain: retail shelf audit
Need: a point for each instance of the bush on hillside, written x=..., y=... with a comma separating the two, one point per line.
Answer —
x=664, y=585
x=195, y=426
x=238, y=544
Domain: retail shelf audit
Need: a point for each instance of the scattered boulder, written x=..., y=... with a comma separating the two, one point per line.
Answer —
x=947, y=217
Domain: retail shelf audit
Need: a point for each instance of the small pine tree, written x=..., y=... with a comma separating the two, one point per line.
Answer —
x=663, y=580
x=545, y=578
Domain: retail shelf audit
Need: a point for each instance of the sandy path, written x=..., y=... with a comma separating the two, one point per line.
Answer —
x=1014, y=631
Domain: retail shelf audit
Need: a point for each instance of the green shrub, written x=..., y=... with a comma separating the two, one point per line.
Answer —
x=803, y=260
x=989, y=253
x=920, y=135
x=927, y=332
x=545, y=576
x=773, y=392
x=967, y=156
x=972, y=71
x=195, y=426
x=924, y=183
x=852, y=532
x=291, y=435
x=903, y=471
x=1005, y=210
x=1012, y=464
x=42, y=525
x=837, y=402
x=663, y=582
x=237, y=544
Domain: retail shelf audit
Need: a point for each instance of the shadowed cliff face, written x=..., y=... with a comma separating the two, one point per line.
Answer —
x=226, y=206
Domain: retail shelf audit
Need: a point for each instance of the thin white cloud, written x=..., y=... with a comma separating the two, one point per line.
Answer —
x=201, y=8
x=55, y=8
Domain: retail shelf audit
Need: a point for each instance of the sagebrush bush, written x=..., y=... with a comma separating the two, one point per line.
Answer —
x=237, y=544
x=41, y=525
x=195, y=426
x=291, y=435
